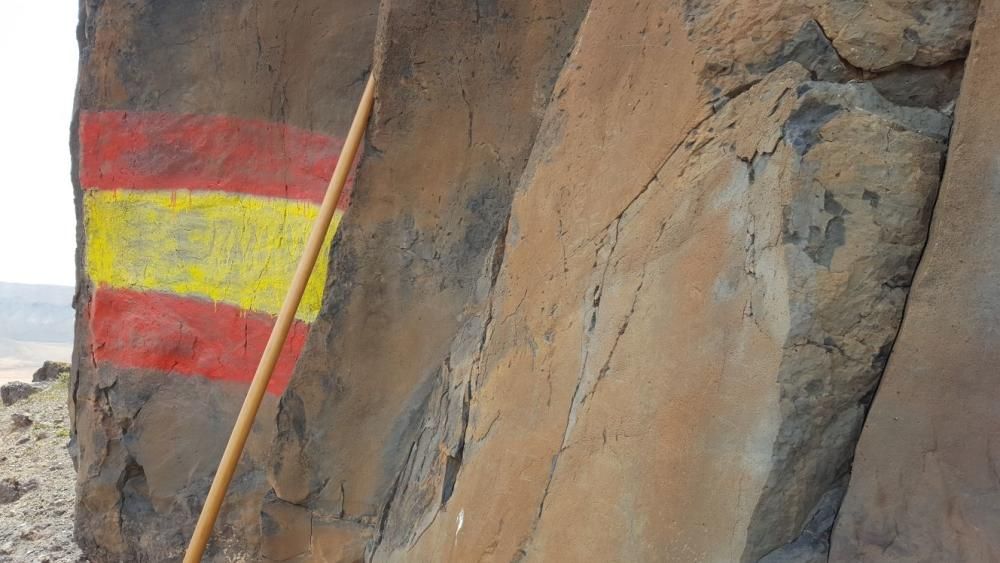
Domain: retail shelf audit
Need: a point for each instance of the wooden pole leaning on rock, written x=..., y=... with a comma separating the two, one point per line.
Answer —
x=244, y=422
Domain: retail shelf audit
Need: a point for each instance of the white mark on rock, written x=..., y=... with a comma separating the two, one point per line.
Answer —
x=459, y=521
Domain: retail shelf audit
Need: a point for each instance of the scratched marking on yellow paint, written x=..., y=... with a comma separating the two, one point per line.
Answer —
x=230, y=248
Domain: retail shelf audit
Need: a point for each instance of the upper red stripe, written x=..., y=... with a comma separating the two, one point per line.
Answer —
x=152, y=150
x=187, y=336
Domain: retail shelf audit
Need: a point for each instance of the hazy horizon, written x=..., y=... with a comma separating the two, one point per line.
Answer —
x=36, y=324
x=70, y=285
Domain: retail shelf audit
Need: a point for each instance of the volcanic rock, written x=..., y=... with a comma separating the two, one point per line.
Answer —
x=15, y=391
x=924, y=486
x=50, y=371
x=617, y=282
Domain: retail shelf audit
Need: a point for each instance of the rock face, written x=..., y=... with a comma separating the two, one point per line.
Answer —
x=617, y=283
x=924, y=486
x=204, y=137
x=409, y=270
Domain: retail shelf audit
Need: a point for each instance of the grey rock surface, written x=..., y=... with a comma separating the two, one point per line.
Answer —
x=15, y=391
x=51, y=371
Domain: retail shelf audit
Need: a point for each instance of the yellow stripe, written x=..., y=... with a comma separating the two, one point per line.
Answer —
x=238, y=249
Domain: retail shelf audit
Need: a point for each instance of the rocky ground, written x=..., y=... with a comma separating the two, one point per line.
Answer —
x=37, y=479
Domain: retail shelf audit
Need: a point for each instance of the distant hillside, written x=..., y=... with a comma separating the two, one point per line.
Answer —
x=36, y=313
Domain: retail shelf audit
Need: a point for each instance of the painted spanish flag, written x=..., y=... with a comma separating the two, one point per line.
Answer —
x=194, y=225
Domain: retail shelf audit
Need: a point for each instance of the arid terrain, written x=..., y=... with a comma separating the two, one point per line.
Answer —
x=37, y=479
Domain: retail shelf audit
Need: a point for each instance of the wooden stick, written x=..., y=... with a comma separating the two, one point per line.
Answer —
x=238, y=439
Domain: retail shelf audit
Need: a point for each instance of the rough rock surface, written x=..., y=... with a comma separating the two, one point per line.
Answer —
x=12, y=489
x=743, y=254
x=203, y=132
x=925, y=485
x=51, y=371
x=408, y=269
x=618, y=282
x=768, y=246
x=15, y=391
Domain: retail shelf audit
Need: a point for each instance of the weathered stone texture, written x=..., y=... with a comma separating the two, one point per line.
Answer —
x=744, y=257
x=618, y=282
x=50, y=371
x=461, y=91
x=770, y=244
x=837, y=40
x=925, y=480
x=15, y=391
x=147, y=437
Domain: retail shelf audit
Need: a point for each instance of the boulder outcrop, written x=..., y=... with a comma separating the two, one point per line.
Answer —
x=50, y=371
x=616, y=282
x=203, y=140
x=15, y=391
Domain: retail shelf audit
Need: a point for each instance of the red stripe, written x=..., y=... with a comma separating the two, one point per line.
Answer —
x=147, y=150
x=186, y=336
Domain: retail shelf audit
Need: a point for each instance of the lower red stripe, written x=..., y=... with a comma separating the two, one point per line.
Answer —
x=187, y=336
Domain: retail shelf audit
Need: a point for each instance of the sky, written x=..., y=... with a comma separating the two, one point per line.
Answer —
x=38, y=55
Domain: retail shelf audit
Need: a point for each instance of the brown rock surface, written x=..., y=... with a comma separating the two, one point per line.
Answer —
x=743, y=255
x=925, y=484
x=752, y=264
x=837, y=40
x=461, y=91
x=883, y=34
x=617, y=283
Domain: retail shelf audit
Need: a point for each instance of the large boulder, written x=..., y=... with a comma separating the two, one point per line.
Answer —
x=617, y=282
x=204, y=137
x=15, y=391
x=669, y=351
x=50, y=371
x=699, y=352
